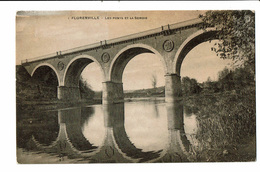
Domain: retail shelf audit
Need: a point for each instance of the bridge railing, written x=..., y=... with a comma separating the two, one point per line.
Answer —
x=119, y=39
x=155, y=31
x=39, y=58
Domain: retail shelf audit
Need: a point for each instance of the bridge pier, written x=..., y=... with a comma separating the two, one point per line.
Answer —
x=172, y=87
x=68, y=93
x=112, y=92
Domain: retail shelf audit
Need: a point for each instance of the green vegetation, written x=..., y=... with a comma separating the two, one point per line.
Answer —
x=236, y=35
x=226, y=115
x=226, y=108
x=235, y=80
x=32, y=88
x=190, y=86
x=85, y=89
x=226, y=122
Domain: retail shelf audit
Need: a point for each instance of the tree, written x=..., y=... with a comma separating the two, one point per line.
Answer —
x=222, y=74
x=225, y=79
x=236, y=35
x=210, y=86
x=154, y=80
x=85, y=89
x=185, y=82
x=190, y=86
x=242, y=78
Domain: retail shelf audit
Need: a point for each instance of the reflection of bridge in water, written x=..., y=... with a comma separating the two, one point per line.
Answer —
x=116, y=146
x=70, y=141
x=178, y=145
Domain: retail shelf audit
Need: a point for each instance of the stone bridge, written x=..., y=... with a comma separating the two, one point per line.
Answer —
x=171, y=43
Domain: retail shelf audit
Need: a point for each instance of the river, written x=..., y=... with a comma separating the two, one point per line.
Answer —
x=142, y=131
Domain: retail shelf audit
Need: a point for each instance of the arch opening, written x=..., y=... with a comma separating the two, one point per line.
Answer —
x=144, y=72
x=136, y=67
x=199, y=65
x=46, y=81
x=113, y=88
x=74, y=71
x=90, y=83
x=79, y=79
x=122, y=60
x=190, y=43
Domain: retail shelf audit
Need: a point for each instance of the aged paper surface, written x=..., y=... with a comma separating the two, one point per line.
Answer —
x=77, y=43
x=138, y=102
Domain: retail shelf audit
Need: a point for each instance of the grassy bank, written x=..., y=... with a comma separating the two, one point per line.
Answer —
x=226, y=126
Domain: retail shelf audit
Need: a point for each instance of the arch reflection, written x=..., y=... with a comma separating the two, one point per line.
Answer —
x=70, y=141
x=116, y=146
x=178, y=146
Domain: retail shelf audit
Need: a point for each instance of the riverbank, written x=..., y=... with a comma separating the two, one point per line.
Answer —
x=27, y=105
x=226, y=126
x=144, y=99
x=38, y=105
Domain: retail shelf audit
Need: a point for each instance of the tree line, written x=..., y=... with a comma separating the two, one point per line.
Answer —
x=228, y=80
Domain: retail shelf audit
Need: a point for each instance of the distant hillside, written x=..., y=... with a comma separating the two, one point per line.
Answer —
x=150, y=92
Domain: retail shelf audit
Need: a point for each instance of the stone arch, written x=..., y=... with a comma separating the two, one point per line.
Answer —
x=48, y=65
x=75, y=68
x=115, y=121
x=121, y=59
x=191, y=42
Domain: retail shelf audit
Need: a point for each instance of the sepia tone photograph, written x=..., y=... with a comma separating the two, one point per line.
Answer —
x=135, y=86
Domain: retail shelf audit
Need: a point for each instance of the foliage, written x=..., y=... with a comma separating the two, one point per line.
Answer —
x=85, y=89
x=190, y=86
x=225, y=122
x=227, y=116
x=36, y=87
x=229, y=80
x=236, y=35
x=210, y=86
x=154, y=80
x=236, y=79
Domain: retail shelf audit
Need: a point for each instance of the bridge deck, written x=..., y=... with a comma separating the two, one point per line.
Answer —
x=156, y=31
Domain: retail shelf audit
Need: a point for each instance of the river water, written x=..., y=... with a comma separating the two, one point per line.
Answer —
x=141, y=131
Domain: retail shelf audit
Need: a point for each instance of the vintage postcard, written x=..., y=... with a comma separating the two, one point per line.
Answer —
x=135, y=86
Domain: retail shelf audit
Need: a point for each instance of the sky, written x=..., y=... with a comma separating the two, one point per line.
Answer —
x=40, y=33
